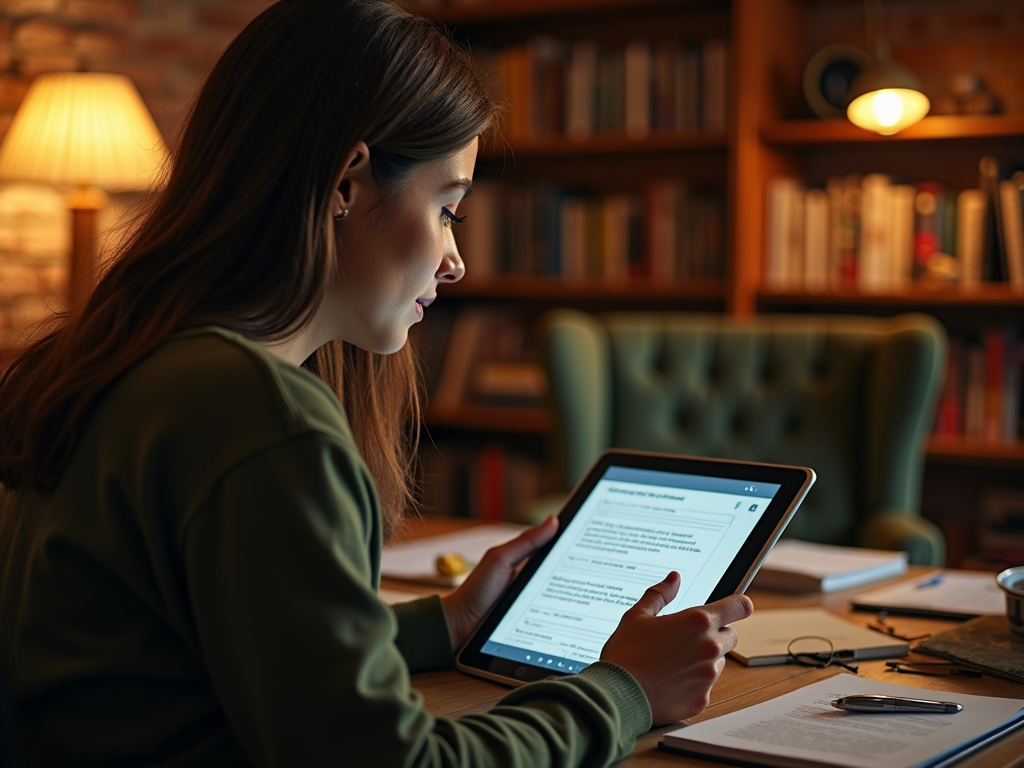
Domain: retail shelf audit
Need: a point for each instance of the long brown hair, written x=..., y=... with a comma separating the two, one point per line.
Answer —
x=242, y=236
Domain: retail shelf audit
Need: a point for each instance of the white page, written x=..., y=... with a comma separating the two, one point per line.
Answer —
x=803, y=725
x=971, y=594
x=416, y=560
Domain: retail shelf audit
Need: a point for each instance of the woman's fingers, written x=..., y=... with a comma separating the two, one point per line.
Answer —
x=654, y=600
x=511, y=553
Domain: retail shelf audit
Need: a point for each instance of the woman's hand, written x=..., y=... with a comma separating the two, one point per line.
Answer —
x=467, y=605
x=675, y=658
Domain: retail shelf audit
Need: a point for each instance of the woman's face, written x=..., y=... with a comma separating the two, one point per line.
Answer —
x=394, y=250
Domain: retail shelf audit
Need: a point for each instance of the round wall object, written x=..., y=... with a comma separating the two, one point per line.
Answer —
x=828, y=75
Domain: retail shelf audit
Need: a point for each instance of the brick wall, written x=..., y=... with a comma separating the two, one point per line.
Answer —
x=165, y=46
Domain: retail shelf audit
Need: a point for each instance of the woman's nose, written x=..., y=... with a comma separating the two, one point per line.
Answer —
x=452, y=269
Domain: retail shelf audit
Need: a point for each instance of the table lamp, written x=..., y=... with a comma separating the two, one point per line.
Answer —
x=886, y=97
x=90, y=132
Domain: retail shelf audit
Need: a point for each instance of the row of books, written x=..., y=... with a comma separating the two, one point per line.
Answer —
x=489, y=481
x=875, y=235
x=479, y=356
x=668, y=231
x=581, y=88
x=983, y=393
x=1001, y=534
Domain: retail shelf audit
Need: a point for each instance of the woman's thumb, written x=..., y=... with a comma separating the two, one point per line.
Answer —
x=658, y=596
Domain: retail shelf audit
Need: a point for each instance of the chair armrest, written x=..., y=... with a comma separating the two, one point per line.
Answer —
x=920, y=538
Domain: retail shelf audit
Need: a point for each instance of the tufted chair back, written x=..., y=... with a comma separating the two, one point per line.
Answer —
x=851, y=397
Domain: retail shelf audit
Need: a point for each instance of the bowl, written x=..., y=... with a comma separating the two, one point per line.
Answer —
x=1012, y=582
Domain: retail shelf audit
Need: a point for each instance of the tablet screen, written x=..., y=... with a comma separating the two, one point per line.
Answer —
x=634, y=527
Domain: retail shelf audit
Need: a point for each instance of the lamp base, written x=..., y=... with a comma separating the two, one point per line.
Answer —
x=83, y=203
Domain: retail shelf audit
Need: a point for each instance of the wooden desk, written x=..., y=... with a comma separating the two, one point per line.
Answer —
x=452, y=694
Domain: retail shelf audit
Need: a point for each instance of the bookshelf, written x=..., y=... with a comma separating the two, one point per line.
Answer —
x=769, y=132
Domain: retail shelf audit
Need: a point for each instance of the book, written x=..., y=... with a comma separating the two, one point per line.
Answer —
x=801, y=728
x=970, y=234
x=463, y=344
x=986, y=643
x=801, y=566
x=765, y=637
x=1011, y=201
x=945, y=594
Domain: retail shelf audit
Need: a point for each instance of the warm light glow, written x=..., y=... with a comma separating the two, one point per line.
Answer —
x=889, y=110
x=83, y=129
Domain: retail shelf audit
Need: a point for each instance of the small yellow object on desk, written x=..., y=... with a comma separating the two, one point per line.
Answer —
x=451, y=565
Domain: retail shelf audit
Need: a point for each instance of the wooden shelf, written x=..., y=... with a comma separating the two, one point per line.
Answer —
x=546, y=287
x=522, y=420
x=986, y=294
x=497, y=10
x=966, y=450
x=804, y=132
x=604, y=144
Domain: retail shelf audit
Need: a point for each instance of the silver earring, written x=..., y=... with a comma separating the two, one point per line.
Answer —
x=341, y=215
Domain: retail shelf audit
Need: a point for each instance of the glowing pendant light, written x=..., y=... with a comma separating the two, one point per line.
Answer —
x=886, y=97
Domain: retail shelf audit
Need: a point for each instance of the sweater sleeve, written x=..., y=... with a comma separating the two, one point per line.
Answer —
x=424, y=638
x=303, y=654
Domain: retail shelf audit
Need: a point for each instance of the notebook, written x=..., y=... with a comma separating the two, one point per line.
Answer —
x=802, y=566
x=767, y=634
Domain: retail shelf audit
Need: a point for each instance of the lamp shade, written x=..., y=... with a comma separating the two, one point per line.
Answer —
x=886, y=98
x=83, y=129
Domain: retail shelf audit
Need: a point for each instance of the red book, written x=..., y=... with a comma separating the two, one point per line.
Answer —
x=493, y=469
x=995, y=351
x=949, y=418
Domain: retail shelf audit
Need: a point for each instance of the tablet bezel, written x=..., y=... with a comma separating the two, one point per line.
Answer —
x=794, y=483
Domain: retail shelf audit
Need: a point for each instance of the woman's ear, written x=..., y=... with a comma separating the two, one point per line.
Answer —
x=352, y=178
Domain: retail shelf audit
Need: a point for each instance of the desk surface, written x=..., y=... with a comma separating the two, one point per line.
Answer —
x=452, y=694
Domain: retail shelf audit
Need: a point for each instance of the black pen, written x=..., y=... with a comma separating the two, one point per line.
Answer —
x=879, y=703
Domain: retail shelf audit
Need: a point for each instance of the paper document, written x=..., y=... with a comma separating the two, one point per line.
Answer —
x=803, y=729
x=952, y=594
x=416, y=560
x=802, y=566
x=766, y=635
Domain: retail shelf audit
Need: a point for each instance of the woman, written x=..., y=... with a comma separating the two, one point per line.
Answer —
x=202, y=465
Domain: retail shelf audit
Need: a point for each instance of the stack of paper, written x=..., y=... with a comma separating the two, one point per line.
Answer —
x=803, y=729
x=800, y=566
x=765, y=636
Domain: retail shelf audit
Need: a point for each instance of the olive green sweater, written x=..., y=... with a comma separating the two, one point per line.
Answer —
x=200, y=590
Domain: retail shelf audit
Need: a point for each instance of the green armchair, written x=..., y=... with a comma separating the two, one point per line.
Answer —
x=851, y=397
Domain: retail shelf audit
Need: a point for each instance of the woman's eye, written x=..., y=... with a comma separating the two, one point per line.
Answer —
x=448, y=218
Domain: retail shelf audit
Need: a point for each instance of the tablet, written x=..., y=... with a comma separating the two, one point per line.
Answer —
x=634, y=518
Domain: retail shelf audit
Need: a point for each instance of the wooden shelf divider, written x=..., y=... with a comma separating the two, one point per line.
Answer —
x=985, y=294
x=604, y=144
x=837, y=131
x=521, y=420
x=975, y=450
x=549, y=286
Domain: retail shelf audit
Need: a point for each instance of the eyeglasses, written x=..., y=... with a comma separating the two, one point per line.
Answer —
x=933, y=668
x=815, y=651
x=880, y=625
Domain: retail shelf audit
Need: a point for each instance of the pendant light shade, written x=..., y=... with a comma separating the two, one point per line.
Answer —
x=886, y=98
